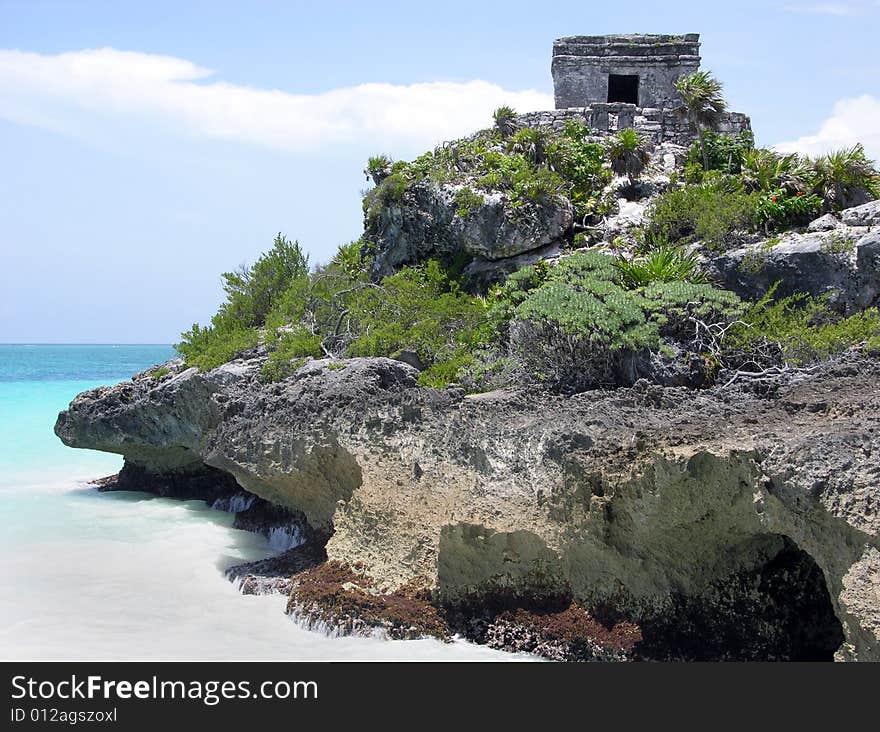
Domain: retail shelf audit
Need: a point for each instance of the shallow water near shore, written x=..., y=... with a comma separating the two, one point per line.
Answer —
x=123, y=575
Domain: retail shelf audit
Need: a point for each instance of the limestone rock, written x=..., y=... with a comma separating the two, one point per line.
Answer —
x=666, y=504
x=843, y=263
x=868, y=214
x=428, y=222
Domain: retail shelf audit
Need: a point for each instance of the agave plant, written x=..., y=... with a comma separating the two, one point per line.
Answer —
x=628, y=153
x=703, y=104
x=531, y=143
x=663, y=264
x=846, y=177
x=505, y=120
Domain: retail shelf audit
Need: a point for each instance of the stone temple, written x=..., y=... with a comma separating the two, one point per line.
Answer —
x=632, y=69
x=627, y=80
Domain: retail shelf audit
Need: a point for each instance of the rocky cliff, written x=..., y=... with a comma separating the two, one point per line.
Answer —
x=734, y=522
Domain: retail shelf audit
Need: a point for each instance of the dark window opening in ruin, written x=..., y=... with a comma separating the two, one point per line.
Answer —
x=623, y=88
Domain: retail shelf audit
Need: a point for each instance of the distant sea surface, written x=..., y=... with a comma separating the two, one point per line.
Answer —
x=124, y=575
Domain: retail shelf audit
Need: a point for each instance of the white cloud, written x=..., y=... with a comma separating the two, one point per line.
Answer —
x=853, y=120
x=79, y=92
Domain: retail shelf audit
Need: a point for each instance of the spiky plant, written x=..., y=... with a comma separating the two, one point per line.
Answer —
x=703, y=104
x=663, y=264
x=378, y=168
x=628, y=152
x=765, y=170
x=846, y=177
x=505, y=120
x=531, y=143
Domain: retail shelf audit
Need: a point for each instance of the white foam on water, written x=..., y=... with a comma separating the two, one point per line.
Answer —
x=235, y=503
x=125, y=575
x=284, y=538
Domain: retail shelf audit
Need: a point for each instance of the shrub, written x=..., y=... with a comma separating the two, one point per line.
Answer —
x=575, y=327
x=766, y=170
x=846, y=178
x=251, y=291
x=531, y=143
x=505, y=120
x=702, y=213
x=467, y=200
x=663, y=264
x=419, y=309
x=378, y=168
x=209, y=347
x=674, y=305
x=292, y=347
x=580, y=163
x=251, y=294
x=797, y=330
x=725, y=154
x=777, y=210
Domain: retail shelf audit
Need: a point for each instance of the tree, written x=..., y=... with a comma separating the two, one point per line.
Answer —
x=628, y=153
x=251, y=291
x=703, y=104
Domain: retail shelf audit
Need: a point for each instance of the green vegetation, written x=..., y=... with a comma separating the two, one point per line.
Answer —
x=159, y=373
x=468, y=200
x=662, y=264
x=724, y=153
x=588, y=320
x=378, y=168
x=846, y=177
x=703, y=103
x=713, y=214
x=251, y=293
x=505, y=120
x=577, y=325
x=628, y=152
x=798, y=330
x=528, y=165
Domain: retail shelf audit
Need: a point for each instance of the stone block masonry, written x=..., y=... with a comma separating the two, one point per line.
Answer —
x=627, y=80
x=657, y=125
x=637, y=69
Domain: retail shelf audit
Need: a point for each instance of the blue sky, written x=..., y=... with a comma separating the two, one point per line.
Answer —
x=147, y=147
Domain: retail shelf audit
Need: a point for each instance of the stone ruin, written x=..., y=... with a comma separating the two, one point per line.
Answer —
x=617, y=81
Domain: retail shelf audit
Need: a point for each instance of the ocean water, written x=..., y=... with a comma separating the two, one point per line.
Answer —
x=124, y=575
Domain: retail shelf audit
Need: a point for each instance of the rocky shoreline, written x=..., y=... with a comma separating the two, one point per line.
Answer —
x=644, y=522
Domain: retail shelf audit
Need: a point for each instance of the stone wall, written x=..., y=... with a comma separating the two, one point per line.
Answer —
x=658, y=125
x=581, y=65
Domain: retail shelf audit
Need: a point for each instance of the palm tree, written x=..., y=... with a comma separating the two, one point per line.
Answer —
x=628, y=153
x=703, y=104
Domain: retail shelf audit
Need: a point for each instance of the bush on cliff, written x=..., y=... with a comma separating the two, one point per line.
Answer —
x=529, y=165
x=577, y=326
x=251, y=294
x=797, y=330
x=846, y=178
x=716, y=213
x=725, y=154
x=421, y=309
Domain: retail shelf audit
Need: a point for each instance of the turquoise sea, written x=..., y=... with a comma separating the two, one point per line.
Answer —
x=89, y=575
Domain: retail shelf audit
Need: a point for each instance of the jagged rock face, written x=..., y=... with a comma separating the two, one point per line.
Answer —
x=653, y=502
x=428, y=222
x=832, y=259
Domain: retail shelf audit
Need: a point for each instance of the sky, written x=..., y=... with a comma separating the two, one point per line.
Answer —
x=148, y=147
